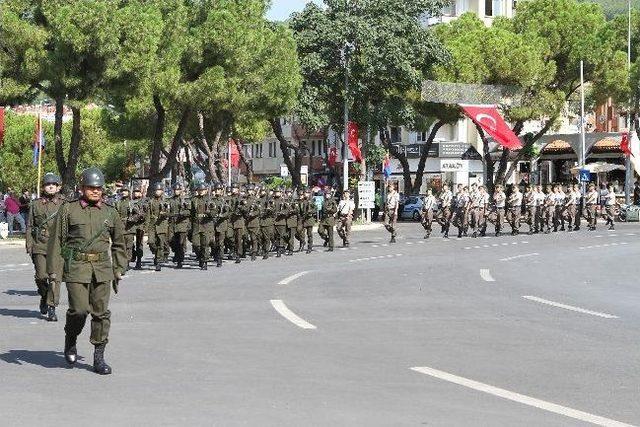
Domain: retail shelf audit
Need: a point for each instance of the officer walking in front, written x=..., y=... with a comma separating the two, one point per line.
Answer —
x=429, y=205
x=42, y=213
x=345, y=217
x=391, y=211
x=328, y=219
x=87, y=245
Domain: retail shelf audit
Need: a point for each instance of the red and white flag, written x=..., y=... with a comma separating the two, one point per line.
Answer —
x=353, y=141
x=490, y=120
x=235, y=154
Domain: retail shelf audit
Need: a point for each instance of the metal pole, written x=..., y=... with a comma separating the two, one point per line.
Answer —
x=345, y=144
x=229, y=162
x=583, y=156
x=628, y=171
x=39, y=155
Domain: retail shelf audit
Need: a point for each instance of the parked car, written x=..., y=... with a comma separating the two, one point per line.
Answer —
x=411, y=208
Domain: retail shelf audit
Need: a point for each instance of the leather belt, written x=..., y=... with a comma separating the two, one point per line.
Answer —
x=91, y=257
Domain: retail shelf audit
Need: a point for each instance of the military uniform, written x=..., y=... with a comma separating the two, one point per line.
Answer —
x=328, y=220
x=446, y=198
x=515, y=210
x=238, y=210
x=87, y=245
x=253, y=213
x=42, y=213
x=591, y=202
x=429, y=205
x=345, y=219
x=130, y=218
x=158, y=228
x=500, y=199
x=391, y=214
x=292, y=223
x=179, y=213
x=267, y=227
x=202, y=227
x=307, y=219
x=221, y=214
x=531, y=209
x=281, y=212
x=138, y=219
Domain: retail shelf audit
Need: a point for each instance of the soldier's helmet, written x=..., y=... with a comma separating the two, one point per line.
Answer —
x=92, y=177
x=50, y=178
x=124, y=189
x=137, y=188
x=178, y=186
x=201, y=186
x=158, y=186
x=219, y=186
x=251, y=187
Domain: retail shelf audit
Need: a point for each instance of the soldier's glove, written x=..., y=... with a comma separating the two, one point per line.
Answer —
x=116, y=282
x=52, y=276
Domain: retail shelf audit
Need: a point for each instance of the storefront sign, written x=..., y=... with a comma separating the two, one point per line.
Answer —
x=453, y=165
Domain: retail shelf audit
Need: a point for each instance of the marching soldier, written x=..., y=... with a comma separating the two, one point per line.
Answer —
x=124, y=206
x=578, y=219
x=539, y=198
x=328, y=219
x=42, y=213
x=570, y=207
x=549, y=210
x=560, y=206
x=345, y=217
x=87, y=245
x=515, y=209
x=137, y=218
x=591, y=202
x=460, y=214
x=180, y=215
x=281, y=212
x=158, y=221
x=609, y=206
x=391, y=211
x=201, y=225
x=253, y=214
x=267, y=227
x=238, y=209
x=500, y=200
x=307, y=219
x=530, y=202
x=429, y=204
x=221, y=215
x=446, y=198
x=483, y=210
x=292, y=221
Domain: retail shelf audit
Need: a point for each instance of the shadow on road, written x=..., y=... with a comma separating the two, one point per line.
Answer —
x=21, y=293
x=20, y=313
x=45, y=359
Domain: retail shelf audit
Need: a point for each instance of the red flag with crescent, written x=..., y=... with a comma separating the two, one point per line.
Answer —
x=490, y=120
x=624, y=145
x=353, y=141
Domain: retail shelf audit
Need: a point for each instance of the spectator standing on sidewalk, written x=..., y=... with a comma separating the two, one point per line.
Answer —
x=25, y=203
x=13, y=213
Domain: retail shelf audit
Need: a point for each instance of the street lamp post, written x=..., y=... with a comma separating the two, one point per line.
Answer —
x=344, y=54
x=628, y=171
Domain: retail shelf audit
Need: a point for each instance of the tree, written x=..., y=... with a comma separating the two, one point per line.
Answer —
x=389, y=51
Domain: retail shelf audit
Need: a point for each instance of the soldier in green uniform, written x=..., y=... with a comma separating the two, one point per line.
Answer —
x=138, y=217
x=158, y=225
x=42, y=213
x=221, y=213
x=307, y=219
x=281, y=211
x=124, y=206
x=87, y=245
x=267, y=227
x=292, y=221
x=252, y=220
x=180, y=214
x=328, y=219
x=238, y=209
x=201, y=224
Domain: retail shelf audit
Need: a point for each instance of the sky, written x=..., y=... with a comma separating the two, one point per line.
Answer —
x=281, y=9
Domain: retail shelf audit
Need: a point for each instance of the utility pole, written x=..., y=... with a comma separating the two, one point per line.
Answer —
x=583, y=156
x=345, y=143
x=628, y=170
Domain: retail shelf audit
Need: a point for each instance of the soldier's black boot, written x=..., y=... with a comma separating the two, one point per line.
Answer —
x=158, y=267
x=51, y=314
x=219, y=262
x=279, y=252
x=253, y=256
x=43, y=305
x=393, y=239
x=237, y=259
x=99, y=365
x=70, y=352
x=138, y=265
x=179, y=264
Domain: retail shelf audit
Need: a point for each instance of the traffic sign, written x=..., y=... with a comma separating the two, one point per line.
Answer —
x=366, y=194
x=585, y=175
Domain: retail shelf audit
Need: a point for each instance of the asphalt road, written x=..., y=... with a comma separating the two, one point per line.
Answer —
x=529, y=330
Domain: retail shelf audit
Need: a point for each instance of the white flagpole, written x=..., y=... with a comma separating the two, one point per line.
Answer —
x=628, y=182
x=229, y=162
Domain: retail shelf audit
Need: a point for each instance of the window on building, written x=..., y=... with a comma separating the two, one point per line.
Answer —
x=422, y=137
x=272, y=149
x=488, y=7
x=396, y=135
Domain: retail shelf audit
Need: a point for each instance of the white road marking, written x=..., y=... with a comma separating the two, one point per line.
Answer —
x=15, y=265
x=613, y=235
x=385, y=245
x=505, y=244
x=467, y=247
x=421, y=241
x=486, y=275
x=494, y=244
x=521, y=398
x=524, y=242
x=14, y=269
x=514, y=243
x=569, y=307
x=374, y=246
x=409, y=243
x=291, y=278
x=284, y=311
x=511, y=258
x=605, y=245
x=631, y=234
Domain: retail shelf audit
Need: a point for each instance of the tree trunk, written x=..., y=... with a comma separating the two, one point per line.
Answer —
x=417, y=183
x=156, y=174
x=157, y=143
x=57, y=136
x=293, y=165
x=69, y=174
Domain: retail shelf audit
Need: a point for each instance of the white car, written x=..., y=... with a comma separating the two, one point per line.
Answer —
x=412, y=208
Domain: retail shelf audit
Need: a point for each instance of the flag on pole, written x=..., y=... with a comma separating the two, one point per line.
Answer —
x=624, y=145
x=634, y=151
x=235, y=154
x=386, y=166
x=38, y=142
x=490, y=120
x=1, y=126
x=353, y=141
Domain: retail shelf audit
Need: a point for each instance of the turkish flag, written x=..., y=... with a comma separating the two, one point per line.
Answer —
x=333, y=156
x=353, y=141
x=235, y=154
x=489, y=119
x=1, y=125
x=624, y=145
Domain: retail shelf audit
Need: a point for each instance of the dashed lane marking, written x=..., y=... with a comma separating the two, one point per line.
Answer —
x=605, y=245
x=520, y=398
x=284, y=311
x=569, y=307
x=15, y=265
x=14, y=269
x=291, y=278
x=486, y=275
x=519, y=256
x=373, y=258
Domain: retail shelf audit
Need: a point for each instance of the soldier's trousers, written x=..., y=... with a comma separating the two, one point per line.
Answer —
x=306, y=233
x=254, y=238
x=427, y=221
x=291, y=235
x=539, y=218
x=610, y=214
x=571, y=215
x=201, y=245
x=158, y=245
x=560, y=216
x=390, y=222
x=129, y=242
x=179, y=244
x=592, y=216
x=238, y=240
x=281, y=236
x=218, y=241
x=532, y=216
x=50, y=290
x=267, y=236
x=513, y=218
x=549, y=217
x=89, y=298
x=139, y=245
x=478, y=220
x=344, y=229
x=460, y=220
x=578, y=219
x=499, y=219
x=326, y=233
x=446, y=220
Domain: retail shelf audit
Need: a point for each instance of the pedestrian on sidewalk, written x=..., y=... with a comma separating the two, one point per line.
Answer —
x=13, y=213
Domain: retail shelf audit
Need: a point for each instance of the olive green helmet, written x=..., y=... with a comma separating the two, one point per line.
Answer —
x=92, y=177
x=50, y=178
